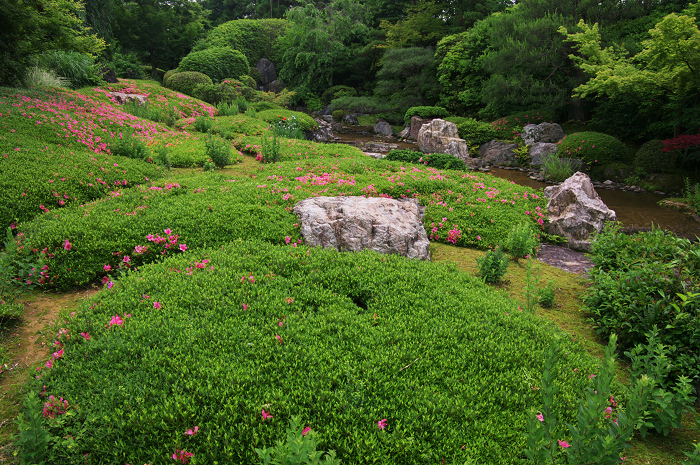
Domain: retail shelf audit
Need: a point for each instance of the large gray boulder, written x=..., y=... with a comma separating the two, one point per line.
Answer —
x=387, y=226
x=576, y=211
x=543, y=132
x=122, y=98
x=416, y=124
x=440, y=136
x=498, y=153
x=324, y=133
x=384, y=128
x=540, y=152
x=268, y=74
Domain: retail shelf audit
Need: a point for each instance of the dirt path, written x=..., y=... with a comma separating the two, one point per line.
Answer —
x=27, y=344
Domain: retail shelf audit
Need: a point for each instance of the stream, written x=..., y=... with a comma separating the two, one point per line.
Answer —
x=634, y=210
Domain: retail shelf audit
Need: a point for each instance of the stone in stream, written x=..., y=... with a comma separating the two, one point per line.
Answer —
x=440, y=136
x=384, y=128
x=540, y=152
x=388, y=226
x=576, y=211
x=543, y=132
x=416, y=124
x=498, y=153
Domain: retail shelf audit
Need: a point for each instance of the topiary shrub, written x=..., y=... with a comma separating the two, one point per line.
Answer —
x=594, y=148
x=425, y=112
x=651, y=158
x=218, y=63
x=215, y=93
x=477, y=132
x=249, y=81
x=187, y=81
x=168, y=75
x=337, y=92
x=338, y=115
x=302, y=120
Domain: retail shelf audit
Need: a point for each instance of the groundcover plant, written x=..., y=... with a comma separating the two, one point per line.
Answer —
x=217, y=325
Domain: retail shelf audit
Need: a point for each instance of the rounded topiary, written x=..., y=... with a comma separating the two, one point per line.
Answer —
x=477, y=132
x=187, y=81
x=337, y=92
x=168, y=75
x=594, y=148
x=339, y=114
x=425, y=112
x=218, y=63
x=651, y=158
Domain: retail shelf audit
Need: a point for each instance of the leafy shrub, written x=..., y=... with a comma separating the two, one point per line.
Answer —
x=424, y=112
x=546, y=295
x=493, y=265
x=359, y=104
x=522, y=241
x=168, y=75
x=651, y=158
x=256, y=38
x=17, y=273
x=335, y=92
x=647, y=280
x=209, y=166
x=299, y=447
x=592, y=147
x=203, y=124
x=691, y=193
x=242, y=104
x=270, y=149
x=218, y=151
x=39, y=77
x=79, y=69
x=249, y=81
x=218, y=63
x=274, y=117
x=556, y=169
x=264, y=106
x=127, y=65
x=215, y=93
x=436, y=160
x=251, y=113
x=227, y=109
x=338, y=115
x=255, y=74
x=130, y=147
x=326, y=307
x=187, y=81
x=476, y=132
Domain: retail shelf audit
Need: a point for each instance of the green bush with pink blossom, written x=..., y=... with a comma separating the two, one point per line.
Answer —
x=594, y=148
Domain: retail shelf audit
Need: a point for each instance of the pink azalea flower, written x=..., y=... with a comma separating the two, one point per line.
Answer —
x=540, y=417
x=59, y=354
x=116, y=321
x=287, y=239
x=110, y=284
x=126, y=259
x=563, y=444
x=167, y=231
x=381, y=424
x=183, y=247
x=306, y=430
x=157, y=305
x=265, y=415
x=182, y=455
x=107, y=268
x=49, y=364
x=245, y=307
x=105, y=280
x=279, y=338
x=192, y=431
x=86, y=336
x=67, y=245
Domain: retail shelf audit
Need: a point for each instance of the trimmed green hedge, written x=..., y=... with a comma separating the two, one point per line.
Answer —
x=218, y=63
x=212, y=337
x=477, y=132
x=256, y=38
x=425, y=112
x=187, y=81
x=594, y=148
x=304, y=121
x=652, y=159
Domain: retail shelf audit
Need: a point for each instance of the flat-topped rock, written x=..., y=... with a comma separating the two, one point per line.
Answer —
x=387, y=226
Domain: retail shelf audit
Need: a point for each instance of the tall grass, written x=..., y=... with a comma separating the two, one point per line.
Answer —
x=80, y=69
x=39, y=77
x=557, y=169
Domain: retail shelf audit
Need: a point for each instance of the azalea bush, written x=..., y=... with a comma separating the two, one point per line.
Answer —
x=594, y=148
x=374, y=349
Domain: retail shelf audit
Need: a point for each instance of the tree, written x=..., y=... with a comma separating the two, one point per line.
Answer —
x=33, y=26
x=424, y=26
x=666, y=71
x=161, y=31
x=317, y=39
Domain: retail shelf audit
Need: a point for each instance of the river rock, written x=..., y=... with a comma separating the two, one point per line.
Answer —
x=388, y=226
x=498, y=153
x=406, y=133
x=109, y=75
x=440, y=136
x=351, y=119
x=540, y=152
x=543, y=132
x=416, y=124
x=384, y=128
x=122, y=98
x=324, y=133
x=275, y=86
x=268, y=74
x=576, y=211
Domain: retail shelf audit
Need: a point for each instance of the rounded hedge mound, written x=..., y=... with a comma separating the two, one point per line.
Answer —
x=425, y=112
x=187, y=81
x=651, y=158
x=594, y=148
x=335, y=92
x=168, y=75
x=305, y=122
x=239, y=339
x=477, y=132
x=218, y=63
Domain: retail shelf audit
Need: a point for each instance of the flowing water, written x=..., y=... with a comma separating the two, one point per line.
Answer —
x=634, y=210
